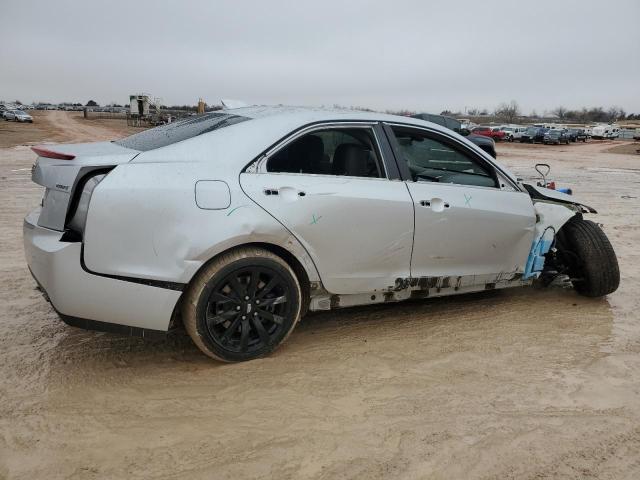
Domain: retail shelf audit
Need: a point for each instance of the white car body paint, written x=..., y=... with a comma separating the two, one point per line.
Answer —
x=159, y=215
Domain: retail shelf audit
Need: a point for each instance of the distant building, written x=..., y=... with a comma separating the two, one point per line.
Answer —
x=139, y=105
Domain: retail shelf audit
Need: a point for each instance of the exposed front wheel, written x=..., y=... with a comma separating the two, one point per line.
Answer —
x=243, y=305
x=589, y=258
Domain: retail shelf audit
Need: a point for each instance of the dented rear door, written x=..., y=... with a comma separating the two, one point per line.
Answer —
x=358, y=231
x=357, y=228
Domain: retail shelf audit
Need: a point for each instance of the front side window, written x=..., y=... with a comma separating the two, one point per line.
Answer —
x=334, y=151
x=432, y=160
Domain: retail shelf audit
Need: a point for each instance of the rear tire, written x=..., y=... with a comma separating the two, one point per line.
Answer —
x=589, y=257
x=242, y=305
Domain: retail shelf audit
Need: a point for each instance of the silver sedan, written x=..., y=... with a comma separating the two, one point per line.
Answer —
x=236, y=223
x=17, y=116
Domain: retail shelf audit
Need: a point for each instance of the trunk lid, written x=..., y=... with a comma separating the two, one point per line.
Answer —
x=60, y=168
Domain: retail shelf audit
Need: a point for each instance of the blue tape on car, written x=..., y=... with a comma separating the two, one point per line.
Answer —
x=535, y=261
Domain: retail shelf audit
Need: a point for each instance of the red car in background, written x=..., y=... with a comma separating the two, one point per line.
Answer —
x=491, y=132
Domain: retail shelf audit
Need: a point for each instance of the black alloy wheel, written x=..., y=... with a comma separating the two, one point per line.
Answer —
x=246, y=309
x=242, y=305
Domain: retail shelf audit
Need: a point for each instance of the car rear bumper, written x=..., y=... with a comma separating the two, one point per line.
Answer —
x=91, y=300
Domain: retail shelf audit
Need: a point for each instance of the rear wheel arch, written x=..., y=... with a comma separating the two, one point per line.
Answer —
x=291, y=259
x=242, y=305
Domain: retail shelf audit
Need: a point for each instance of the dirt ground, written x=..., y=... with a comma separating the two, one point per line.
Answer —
x=522, y=383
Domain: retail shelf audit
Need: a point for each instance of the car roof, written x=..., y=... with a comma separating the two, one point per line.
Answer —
x=306, y=115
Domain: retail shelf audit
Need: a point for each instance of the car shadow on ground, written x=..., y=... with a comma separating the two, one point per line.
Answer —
x=519, y=309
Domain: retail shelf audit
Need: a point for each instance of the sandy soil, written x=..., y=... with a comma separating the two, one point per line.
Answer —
x=631, y=148
x=524, y=383
x=58, y=126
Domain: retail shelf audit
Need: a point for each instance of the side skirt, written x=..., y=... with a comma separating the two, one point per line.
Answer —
x=422, y=287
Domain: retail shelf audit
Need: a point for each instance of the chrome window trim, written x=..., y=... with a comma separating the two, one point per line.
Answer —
x=487, y=158
x=260, y=166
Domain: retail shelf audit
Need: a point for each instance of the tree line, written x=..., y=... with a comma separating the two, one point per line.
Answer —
x=511, y=111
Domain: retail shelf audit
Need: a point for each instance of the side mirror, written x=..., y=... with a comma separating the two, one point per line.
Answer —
x=465, y=132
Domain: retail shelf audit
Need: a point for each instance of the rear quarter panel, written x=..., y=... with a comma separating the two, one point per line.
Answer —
x=143, y=222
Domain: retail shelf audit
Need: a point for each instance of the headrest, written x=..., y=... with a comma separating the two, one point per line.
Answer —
x=352, y=160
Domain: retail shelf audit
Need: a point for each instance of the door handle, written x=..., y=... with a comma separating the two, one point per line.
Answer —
x=435, y=204
x=287, y=192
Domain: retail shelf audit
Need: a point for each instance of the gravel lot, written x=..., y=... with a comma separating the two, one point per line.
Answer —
x=522, y=383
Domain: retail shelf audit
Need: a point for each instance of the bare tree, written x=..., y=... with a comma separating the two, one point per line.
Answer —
x=615, y=113
x=508, y=111
x=560, y=112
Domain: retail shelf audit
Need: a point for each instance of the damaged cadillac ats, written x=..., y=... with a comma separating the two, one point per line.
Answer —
x=237, y=223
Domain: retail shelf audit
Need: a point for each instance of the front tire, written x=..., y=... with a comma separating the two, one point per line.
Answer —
x=243, y=305
x=589, y=257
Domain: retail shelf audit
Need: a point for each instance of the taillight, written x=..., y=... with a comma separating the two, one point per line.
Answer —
x=43, y=152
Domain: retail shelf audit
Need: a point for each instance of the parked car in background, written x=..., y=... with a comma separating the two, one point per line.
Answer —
x=492, y=132
x=581, y=135
x=239, y=222
x=577, y=134
x=572, y=133
x=21, y=116
x=513, y=133
x=555, y=137
x=539, y=137
x=529, y=135
x=485, y=143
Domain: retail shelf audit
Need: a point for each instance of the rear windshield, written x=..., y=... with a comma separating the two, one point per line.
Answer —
x=180, y=130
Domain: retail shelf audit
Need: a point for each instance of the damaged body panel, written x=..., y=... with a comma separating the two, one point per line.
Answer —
x=240, y=221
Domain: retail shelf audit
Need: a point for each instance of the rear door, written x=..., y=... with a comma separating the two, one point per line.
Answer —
x=331, y=186
x=470, y=221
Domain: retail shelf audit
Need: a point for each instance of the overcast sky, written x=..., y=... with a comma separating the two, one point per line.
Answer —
x=419, y=55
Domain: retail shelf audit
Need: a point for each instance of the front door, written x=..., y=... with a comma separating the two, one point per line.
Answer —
x=469, y=221
x=329, y=188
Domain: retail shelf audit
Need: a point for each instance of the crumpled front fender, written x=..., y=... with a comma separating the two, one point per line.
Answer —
x=542, y=193
x=550, y=217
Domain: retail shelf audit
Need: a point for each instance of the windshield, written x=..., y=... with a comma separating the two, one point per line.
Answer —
x=532, y=130
x=180, y=130
x=19, y=112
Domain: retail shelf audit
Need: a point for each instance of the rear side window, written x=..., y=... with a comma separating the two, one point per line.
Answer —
x=178, y=131
x=334, y=151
